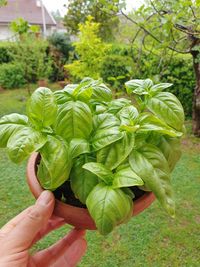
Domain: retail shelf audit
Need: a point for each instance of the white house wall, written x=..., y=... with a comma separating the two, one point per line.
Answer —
x=5, y=33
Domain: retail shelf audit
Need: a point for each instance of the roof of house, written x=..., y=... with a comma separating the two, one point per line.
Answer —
x=30, y=10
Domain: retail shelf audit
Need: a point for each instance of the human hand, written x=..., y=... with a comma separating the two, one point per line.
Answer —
x=18, y=236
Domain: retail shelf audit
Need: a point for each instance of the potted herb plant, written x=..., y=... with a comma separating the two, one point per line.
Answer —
x=97, y=153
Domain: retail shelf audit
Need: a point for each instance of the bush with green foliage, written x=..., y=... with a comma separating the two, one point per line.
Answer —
x=60, y=50
x=33, y=56
x=116, y=70
x=6, y=50
x=90, y=50
x=11, y=75
x=19, y=26
x=120, y=49
x=61, y=41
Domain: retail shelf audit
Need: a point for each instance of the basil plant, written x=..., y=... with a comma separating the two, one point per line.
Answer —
x=102, y=146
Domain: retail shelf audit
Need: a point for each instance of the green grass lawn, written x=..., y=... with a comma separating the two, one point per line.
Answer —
x=151, y=239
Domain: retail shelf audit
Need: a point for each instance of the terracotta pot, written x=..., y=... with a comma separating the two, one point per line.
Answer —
x=42, y=83
x=78, y=217
x=62, y=84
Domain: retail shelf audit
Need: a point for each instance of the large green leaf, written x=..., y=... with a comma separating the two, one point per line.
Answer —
x=106, y=130
x=114, y=154
x=83, y=92
x=150, y=164
x=82, y=181
x=171, y=149
x=23, y=142
x=161, y=86
x=100, y=92
x=117, y=104
x=139, y=87
x=55, y=165
x=74, y=120
x=42, y=108
x=79, y=146
x=10, y=124
x=108, y=207
x=168, y=108
x=62, y=97
x=100, y=170
x=128, y=115
x=149, y=123
x=126, y=177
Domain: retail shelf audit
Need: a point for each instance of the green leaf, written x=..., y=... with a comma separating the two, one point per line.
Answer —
x=62, y=97
x=82, y=181
x=117, y=104
x=106, y=130
x=139, y=87
x=113, y=155
x=149, y=123
x=99, y=170
x=83, y=92
x=55, y=165
x=168, y=108
x=171, y=149
x=9, y=124
x=24, y=142
x=150, y=164
x=92, y=89
x=126, y=177
x=161, y=86
x=74, y=120
x=42, y=108
x=78, y=146
x=85, y=95
x=108, y=207
x=101, y=93
x=128, y=115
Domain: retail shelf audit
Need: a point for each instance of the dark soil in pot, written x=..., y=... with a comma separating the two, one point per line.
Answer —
x=65, y=194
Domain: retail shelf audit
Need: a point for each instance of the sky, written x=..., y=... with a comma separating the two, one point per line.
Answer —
x=53, y=5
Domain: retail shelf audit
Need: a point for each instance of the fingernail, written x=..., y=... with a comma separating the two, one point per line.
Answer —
x=45, y=198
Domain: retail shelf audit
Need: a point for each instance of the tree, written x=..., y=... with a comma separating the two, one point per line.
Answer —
x=3, y=2
x=172, y=25
x=19, y=26
x=79, y=10
x=90, y=50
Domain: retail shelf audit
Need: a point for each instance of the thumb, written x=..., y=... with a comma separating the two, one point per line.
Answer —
x=23, y=234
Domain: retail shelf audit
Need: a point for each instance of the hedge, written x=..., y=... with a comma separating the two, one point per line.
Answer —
x=11, y=76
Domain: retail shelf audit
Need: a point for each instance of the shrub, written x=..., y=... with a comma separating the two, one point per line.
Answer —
x=11, y=75
x=5, y=52
x=62, y=43
x=120, y=49
x=60, y=50
x=115, y=70
x=90, y=49
x=33, y=55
